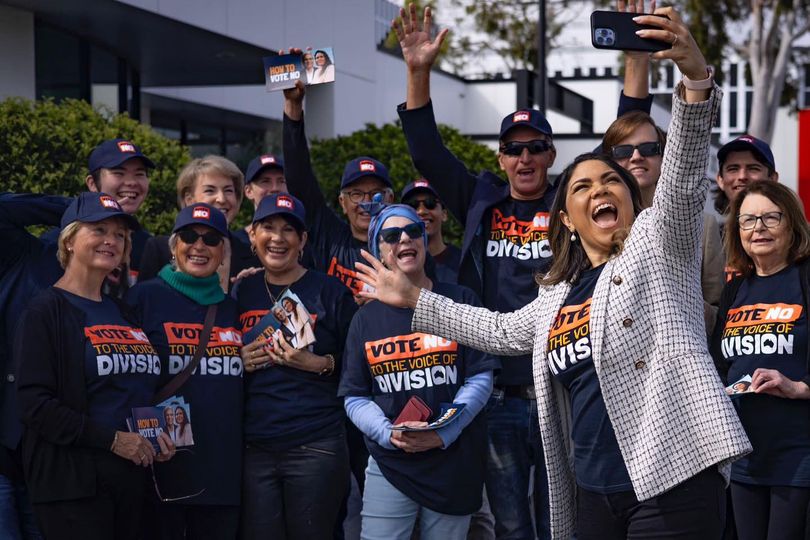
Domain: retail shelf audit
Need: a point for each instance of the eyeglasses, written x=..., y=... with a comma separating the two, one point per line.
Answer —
x=515, y=148
x=647, y=149
x=356, y=195
x=391, y=235
x=769, y=219
x=173, y=499
x=428, y=202
x=190, y=236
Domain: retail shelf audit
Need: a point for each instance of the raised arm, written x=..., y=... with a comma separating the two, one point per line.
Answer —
x=681, y=192
x=454, y=183
x=636, y=93
x=18, y=211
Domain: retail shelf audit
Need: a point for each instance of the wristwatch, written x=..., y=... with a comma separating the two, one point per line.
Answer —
x=704, y=84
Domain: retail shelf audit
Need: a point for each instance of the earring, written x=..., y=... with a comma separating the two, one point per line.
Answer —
x=301, y=255
x=70, y=249
x=573, y=236
x=253, y=249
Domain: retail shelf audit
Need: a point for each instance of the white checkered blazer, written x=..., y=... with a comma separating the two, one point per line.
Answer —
x=666, y=402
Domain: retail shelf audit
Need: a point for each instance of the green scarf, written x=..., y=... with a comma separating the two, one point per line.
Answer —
x=205, y=291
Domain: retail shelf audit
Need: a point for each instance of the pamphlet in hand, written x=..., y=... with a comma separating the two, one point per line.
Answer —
x=449, y=413
x=313, y=66
x=172, y=416
x=288, y=317
x=741, y=386
x=149, y=422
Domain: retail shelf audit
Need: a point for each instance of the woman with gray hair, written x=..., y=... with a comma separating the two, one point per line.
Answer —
x=199, y=492
x=216, y=181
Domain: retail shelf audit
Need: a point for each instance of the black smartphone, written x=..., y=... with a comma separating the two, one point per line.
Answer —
x=617, y=30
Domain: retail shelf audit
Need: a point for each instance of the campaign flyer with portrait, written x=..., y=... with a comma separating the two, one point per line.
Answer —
x=313, y=66
x=288, y=318
x=172, y=416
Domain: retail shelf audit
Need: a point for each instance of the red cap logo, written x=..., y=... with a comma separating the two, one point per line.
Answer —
x=521, y=116
x=109, y=202
x=201, y=212
x=267, y=159
x=421, y=183
x=125, y=146
x=284, y=202
x=367, y=166
x=747, y=139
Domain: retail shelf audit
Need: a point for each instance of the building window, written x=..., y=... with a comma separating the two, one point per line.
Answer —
x=732, y=110
x=670, y=72
x=732, y=75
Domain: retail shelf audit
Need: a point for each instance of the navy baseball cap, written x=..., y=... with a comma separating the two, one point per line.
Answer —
x=202, y=214
x=113, y=153
x=281, y=204
x=259, y=163
x=364, y=166
x=526, y=117
x=418, y=185
x=94, y=206
x=759, y=148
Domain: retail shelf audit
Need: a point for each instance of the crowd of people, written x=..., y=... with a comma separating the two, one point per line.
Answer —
x=562, y=374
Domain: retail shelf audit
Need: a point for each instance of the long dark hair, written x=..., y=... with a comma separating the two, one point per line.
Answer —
x=569, y=258
x=328, y=60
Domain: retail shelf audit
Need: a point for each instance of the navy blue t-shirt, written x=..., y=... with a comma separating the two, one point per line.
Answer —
x=287, y=407
x=766, y=327
x=598, y=463
x=121, y=367
x=517, y=248
x=447, y=263
x=388, y=361
x=213, y=393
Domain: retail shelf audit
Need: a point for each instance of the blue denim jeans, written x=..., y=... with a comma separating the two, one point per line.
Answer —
x=389, y=514
x=16, y=517
x=294, y=494
x=514, y=447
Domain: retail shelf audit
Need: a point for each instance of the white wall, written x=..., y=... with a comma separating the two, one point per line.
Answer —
x=785, y=147
x=17, y=74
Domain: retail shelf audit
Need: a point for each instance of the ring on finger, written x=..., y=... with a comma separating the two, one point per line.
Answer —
x=674, y=41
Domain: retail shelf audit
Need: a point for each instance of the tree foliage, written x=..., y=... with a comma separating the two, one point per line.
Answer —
x=44, y=148
x=387, y=144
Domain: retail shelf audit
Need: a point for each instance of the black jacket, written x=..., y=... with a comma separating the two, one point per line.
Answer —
x=60, y=441
x=727, y=299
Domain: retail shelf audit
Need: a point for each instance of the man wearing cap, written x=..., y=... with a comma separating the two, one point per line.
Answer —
x=264, y=176
x=743, y=160
x=421, y=196
x=119, y=168
x=335, y=244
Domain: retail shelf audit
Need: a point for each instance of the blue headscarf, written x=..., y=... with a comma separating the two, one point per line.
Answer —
x=380, y=212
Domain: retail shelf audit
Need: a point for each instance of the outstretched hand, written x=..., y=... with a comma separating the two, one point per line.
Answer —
x=388, y=285
x=773, y=382
x=418, y=50
x=294, y=97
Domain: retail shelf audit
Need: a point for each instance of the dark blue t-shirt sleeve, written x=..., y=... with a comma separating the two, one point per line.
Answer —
x=18, y=211
x=344, y=308
x=355, y=379
x=477, y=361
x=323, y=224
x=454, y=183
x=628, y=104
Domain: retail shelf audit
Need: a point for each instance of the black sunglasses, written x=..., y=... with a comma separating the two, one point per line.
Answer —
x=173, y=499
x=515, y=148
x=429, y=203
x=647, y=149
x=190, y=236
x=391, y=235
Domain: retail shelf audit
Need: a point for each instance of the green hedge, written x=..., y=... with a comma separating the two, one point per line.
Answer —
x=44, y=148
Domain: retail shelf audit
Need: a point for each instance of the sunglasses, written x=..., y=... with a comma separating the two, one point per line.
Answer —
x=173, y=499
x=428, y=202
x=515, y=148
x=190, y=236
x=647, y=149
x=391, y=235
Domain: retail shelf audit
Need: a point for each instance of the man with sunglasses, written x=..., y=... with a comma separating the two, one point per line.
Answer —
x=421, y=196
